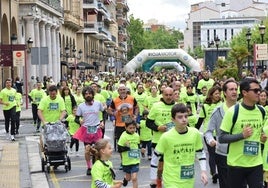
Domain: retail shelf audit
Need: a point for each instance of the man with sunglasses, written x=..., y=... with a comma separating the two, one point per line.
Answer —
x=244, y=137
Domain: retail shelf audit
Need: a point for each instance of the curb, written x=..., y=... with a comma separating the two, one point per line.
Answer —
x=38, y=178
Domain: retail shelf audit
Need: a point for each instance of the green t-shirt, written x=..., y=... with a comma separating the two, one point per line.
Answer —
x=161, y=114
x=101, y=99
x=101, y=172
x=145, y=132
x=265, y=156
x=132, y=156
x=245, y=152
x=208, y=83
x=68, y=104
x=105, y=94
x=51, y=109
x=141, y=100
x=150, y=100
x=37, y=95
x=209, y=108
x=201, y=98
x=73, y=126
x=79, y=99
x=19, y=101
x=192, y=120
x=190, y=99
x=179, y=156
x=115, y=94
x=8, y=95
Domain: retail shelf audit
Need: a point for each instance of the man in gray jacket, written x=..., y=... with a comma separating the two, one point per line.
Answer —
x=229, y=89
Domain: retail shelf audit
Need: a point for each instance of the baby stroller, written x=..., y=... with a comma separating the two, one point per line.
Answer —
x=54, y=147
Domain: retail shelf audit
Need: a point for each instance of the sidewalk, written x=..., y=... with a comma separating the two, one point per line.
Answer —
x=20, y=165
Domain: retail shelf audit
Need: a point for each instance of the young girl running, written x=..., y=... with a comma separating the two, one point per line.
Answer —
x=102, y=171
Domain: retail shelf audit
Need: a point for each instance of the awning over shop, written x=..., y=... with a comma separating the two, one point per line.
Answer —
x=83, y=65
x=96, y=64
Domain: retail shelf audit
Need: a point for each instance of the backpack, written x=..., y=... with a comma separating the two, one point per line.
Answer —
x=236, y=110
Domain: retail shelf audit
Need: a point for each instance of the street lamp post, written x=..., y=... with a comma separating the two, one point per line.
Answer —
x=80, y=52
x=248, y=35
x=262, y=32
x=217, y=43
x=13, y=39
x=29, y=47
x=116, y=60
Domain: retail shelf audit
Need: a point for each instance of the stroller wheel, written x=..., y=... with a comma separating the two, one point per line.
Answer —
x=69, y=162
x=66, y=168
x=48, y=169
x=43, y=164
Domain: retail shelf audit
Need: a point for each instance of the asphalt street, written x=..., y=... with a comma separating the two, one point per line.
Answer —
x=32, y=176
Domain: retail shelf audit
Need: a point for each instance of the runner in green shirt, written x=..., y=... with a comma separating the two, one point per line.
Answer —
x=178, y=149
x=35, y=97
x=244, y=137
x=7, y=99
x=51, y=108
x=102, y=171
x=129, y=147
x=159, y=121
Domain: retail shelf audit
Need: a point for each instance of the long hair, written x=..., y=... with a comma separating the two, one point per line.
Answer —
x=100, y=144
x=211, y=91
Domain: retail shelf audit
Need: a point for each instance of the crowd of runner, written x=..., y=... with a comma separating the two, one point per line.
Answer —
x=189, y=109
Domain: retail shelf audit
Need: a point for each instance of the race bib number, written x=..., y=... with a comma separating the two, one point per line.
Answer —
x=170, y=125
x=125, y=118
x=92, y=129
x=187, y=172
x=11, y=98
x=37, y=99
x=251, y=148
x=53, y=106
x=134, y=153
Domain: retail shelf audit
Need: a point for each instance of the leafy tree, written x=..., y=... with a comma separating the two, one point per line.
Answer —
x=223, y=68
x=239, y=53
x=140, y=39
x=136, y=41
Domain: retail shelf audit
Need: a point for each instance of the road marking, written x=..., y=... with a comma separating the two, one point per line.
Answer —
x=74, y=178
x=54, y=179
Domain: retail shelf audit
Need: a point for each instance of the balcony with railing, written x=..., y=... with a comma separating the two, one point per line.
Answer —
x=90, y=4
x=121, y=21
x=73, y=20
x=97, y=28
x=54, y=4
x=90, y=27
x=104, y=30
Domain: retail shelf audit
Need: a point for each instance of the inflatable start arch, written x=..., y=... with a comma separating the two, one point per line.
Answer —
x=147, y=59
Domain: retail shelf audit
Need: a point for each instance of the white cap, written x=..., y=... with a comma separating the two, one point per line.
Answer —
x=96, y=79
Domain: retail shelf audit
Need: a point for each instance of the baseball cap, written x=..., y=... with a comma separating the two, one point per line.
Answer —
x=95, y=79
x=122, y=80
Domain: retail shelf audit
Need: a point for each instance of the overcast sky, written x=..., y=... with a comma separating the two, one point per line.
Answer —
x=169, y=12
x=172, y=13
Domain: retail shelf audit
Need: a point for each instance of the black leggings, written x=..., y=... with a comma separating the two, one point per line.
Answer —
x=17, y=121
x=35, y=115
x=10, y=115
x=76, y=142
x=239, y=176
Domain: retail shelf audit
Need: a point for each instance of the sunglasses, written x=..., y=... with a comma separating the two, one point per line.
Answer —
x=256, y=90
